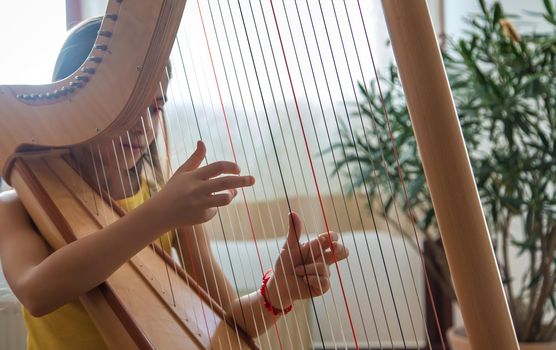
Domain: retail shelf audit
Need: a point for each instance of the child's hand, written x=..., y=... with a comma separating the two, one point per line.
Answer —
x=307, y=267
x=192, y=194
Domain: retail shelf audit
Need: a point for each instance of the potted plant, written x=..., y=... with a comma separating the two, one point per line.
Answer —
x=504, y=86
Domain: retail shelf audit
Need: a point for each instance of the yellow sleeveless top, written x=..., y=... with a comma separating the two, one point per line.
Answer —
x=70, y=327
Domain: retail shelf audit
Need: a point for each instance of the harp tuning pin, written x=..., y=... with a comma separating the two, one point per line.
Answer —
x=74, y=84
x=101, y=47
x=94, y=59
x=19, y=96
x=56, y=93
x=39, y=96
x=63, y=91
x=112, y=16
x=88, y=70
x=105, y=33
x=82, y=78
x=48, y=95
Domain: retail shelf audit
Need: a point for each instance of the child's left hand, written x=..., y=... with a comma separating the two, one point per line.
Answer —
x=303, y=264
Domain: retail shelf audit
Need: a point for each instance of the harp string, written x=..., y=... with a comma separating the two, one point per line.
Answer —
x=360, y=166
x=162, y=165
x=237, y=214
x=273, y=144
x=347, y=114
x=157, y=188
x=401, y=178
x=234, y=153
x=221, y=224
x=119, y=169
x=247, y=163
x=189, y=249
x=296, y=192
x=344, y=199
x=364, y=80
x=343, y=148
x=80, y=171
x=97, y=178
x=244, y=111
x=178, y=241
x=337, y=175
x=107, y=187
x=219, y=212
x=232, y=17
x=145, y=176
x=381, y=250
x=258, y=126
x=375, y=174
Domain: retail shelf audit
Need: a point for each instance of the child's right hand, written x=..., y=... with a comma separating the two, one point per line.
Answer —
x=192, y=194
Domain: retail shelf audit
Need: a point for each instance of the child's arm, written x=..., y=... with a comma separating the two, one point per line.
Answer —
x=44, y=281
x=288, y=269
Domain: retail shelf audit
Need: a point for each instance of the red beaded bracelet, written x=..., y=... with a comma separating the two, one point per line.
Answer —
x=267, y=304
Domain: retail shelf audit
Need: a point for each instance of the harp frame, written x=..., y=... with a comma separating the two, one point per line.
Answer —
x=457, y=205
x=130, y=54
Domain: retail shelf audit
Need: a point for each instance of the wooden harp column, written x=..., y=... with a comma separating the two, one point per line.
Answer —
x=449, y=175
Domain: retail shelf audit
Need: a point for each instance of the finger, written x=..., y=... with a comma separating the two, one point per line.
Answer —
x=319, y=269
x=338, y=252
x=208, y=214
x=217, y=168
x=227, y=183
x=294, y=231
x=329, y=237
x=220, y=199
x=319, y=284
x=195, y=159
x=314, y=250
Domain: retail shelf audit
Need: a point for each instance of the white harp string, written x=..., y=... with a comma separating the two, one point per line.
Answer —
x=282, y=170
x=221, y=227
x=162, y=127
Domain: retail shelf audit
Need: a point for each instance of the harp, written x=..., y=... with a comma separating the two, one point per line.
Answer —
x=117, y=83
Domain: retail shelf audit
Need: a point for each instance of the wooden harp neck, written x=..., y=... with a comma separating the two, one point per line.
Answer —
x=106, y=95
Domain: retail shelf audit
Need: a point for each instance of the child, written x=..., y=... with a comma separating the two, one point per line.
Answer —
x=48, y=283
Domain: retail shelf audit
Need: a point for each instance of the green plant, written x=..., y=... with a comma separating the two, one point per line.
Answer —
x=504, y=86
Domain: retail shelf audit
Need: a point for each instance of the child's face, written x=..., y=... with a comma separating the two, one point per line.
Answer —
x=116, y=156
x=135, y=143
